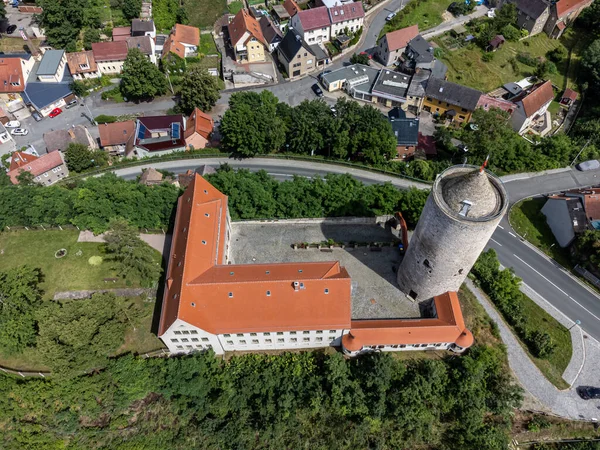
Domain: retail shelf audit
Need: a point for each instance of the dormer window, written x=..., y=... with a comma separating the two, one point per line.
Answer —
x=84, y=66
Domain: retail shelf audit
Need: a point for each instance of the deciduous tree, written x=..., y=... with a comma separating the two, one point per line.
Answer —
x=198, y=90
x=140, y=78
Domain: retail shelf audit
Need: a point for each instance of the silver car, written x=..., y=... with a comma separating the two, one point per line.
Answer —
x=19, y=132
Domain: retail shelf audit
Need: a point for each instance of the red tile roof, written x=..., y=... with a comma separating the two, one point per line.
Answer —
x=427, y=144
x=38, y=166
x=181, y=34
x=400, y=38
x=570, y=94
x=314, y=18
x=346, y=11
x=538, y=97
x=447, y=327
x=11, y=72
x=200, y=123
x=121, y=33
x=110, y=51
x=76, y=59
x=117, y=133
x=564, y=7
x=204, y=291
x=19, y=159
x=242, y=23
x=291, y=7
x=486, y=102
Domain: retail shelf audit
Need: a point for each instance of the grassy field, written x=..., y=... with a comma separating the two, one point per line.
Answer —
x=466, y=67
x=484, y=329
x=427, y=14
x=204, y=13
x=234, y=7
x=527, y=219
x=528, y=427
x=207, y=45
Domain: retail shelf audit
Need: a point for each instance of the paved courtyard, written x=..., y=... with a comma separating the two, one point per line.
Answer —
x=374, y=290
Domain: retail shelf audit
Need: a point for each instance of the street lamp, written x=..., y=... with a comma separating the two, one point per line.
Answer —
x=577, y=322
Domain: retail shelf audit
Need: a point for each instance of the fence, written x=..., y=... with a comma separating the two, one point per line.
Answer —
x=588, y=275
x=44, y=227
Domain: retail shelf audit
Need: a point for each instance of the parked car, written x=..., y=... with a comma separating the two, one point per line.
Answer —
x=317, y=90
x=588, y=392
x=19, y=132
x=55, y=112
x=71, y=103
x=13, y=124
x=36, y=116
x=11, y=29
x=592, y=164
x=390, y=16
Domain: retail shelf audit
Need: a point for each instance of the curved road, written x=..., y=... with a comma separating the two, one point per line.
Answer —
x=540, y=273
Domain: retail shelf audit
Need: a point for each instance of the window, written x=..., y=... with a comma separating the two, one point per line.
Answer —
x=331, y=331
x=185, y=332
x=268, y=341
x=189, y=347
x=194, y=339
x=242, y=342
x=255, y=341
x=229, y=342
x=327, y=291
x=240, y=335
x=462, y=117
x=268, y=293
x=319, y=331
x=331, y=338
x=305, y=339
x=198, y=345
x=252, y=334
x=226, y=335
x=45, y=174
x=180, y=347
x=280, y=333
x=174, y=340
x=185, y=340
x=429, y=99
x=231, y=295
x=293, y=340
x=319, y=339
x=297, y=65
x=292, y=333
x=267, y=334
x=463, y=110
x=177, y=332
x=204, y=339
x=306, y=332
x=280, y=341
x=193, y=304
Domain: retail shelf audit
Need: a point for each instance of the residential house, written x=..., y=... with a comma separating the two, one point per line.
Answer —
x=426, y=148
x=121, y=33
x=59, y=140
x=211, y=304
x=115, y=136
x=532, y=15
x=590, y=199
x=568, y=98
x=198, y=130
x=566, y=217
x=143, y=27
x=183, y=41
x=346, y=17
x=418, y=55
x=110, y=56
x=271, y=33
x=531, y=104
x=82, y=65
x=562, y=14
x=486, y=102
x=392, y=45
x=416, y=91
x=46, y=169
x=246, y=37
x=406, y=131
x=185, y=179
x=390, y=88
x=281, y=15
x=52, y=66
x=332, y=3
x=454, y=101
x=295, y=55
x=313, y=24
x=151, y=177
x=157, y=135
x=14, y=72
x=144, y=44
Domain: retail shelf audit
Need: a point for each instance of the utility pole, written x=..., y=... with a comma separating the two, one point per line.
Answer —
x=89, y=112
x=582, y=149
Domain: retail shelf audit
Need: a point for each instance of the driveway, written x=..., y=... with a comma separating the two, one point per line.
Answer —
x=480, y=11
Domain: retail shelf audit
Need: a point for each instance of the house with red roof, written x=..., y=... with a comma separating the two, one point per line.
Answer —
x=114, y=137
x=183, y=42
x=110, y=56
x=531, y=105
x=246, y=38
x=562, y=14
x=46, y=169
x=391, y=45
x=313, y=24
x=198, y=130
x=157, y=135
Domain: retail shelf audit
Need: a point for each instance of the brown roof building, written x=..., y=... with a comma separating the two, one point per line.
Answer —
x=183, y=41
x=82, y=65
x=391, y=45
x=151, y=176
x=115, y=136
x=11, y=75
x=121, y=33
x=46, y=169
x=110, y=51
x=198, y=129
x=247, y=38
x=291, y=7
x=531, y=104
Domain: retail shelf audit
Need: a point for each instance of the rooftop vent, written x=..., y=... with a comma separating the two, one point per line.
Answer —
x=441, y=89
x=465, y=207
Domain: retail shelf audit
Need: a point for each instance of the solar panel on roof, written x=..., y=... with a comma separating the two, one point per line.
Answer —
x=175, y=130
x=141, y=132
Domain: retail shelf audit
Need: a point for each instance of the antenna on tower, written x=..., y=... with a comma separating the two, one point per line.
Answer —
x=485, y=163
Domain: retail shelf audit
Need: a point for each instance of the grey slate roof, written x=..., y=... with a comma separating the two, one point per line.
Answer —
x=533, y=8
x=43, y=94
x=422, y=49
x=392, y=84
x=439, y=70
x=142, y=25
x=271, y=32
x=318, y=52
x=406, y=131
x=291, y=44
x=418, y=83
x=142, y=43
x=50, y=62
x=453, y=93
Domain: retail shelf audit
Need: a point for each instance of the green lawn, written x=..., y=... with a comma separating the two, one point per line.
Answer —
x=527, y=219
x=234, y=7
x=466, y=67
x=207, y=45
x=484, y=329
x=204, y=13
x=426, y=13
x=71, y=272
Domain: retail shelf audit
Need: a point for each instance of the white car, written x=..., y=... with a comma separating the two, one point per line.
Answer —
x=19, y=132
x=13, y=124
x=390, y=16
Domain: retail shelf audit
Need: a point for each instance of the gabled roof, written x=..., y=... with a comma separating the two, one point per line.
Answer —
x=11, y=72
x=200, y=123
x=314, y=18
x=400, y=38
x=540, y=95
x=291, y=7
x=532, y=8
x=50, y=62
x=453, y=93
x=142, y=43
x=20, y=159
x=60, y=139
x=486, y=102
x=37, y=166
x=186, y=34
x=291, y=44
x=564, y=7
x=77, y=59
x=41, y=94
x=271, y=32
x=151, y=176
x=110, y=51
x=121, y=33
x=422, y=49
x=142, y=25
x=570, y=94
x=242, y=23
x=406, y=130
x=346, y=11
x=117, y=133
x=280, y=12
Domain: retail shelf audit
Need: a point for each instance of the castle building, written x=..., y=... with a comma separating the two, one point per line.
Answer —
x=210, y=303
x=462, y=211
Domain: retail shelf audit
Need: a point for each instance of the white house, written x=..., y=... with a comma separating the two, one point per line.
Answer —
x=314, y=24
x=52, y=66
x=110, y=56
x=531, y=105
x=346, y=15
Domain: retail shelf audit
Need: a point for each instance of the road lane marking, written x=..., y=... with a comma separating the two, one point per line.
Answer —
x=501, y=227
x=585, y=309
x=496, y=242
x=512, y=234
x=541, y=275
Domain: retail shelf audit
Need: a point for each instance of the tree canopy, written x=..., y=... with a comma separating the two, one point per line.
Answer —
x=198, y=90
x=141, y=79
x=79, y=157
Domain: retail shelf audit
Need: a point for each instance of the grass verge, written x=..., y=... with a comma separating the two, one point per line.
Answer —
x=427, y=14
x=114, y=95
x=529, y=427
x=204, y=13
x=484, y=329
x=207, y=45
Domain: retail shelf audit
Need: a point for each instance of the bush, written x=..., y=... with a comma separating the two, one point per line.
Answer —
x=487, y=57
x=557, y=55
x=527, y=59
x=511, y=33
x=360, y=59
x=540, y=344
x=103, y=118
x=356, y=37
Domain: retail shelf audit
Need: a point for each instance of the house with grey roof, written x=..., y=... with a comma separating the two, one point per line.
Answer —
x=357, y=80
x=59, y=140
x=271, y=32
x=143, y=27
x=532, y=15
x=297, y=57
x=418, y=54
x=454, y=102
x=391, y=88
x=406, y=132
x=566, y=217
x=52, y=66
x=144, y=44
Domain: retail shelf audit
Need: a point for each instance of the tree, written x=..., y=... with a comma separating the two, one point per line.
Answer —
x=19, y=298
x=134, y=257
x=78, y=88
x=198, y=90
x=80, y=158
x=63, y=21
x=2, y=10
x=590, y=63
x=360, y=59
x=131, y=8
x=25, y=178
x=90, y=36
x=140, y=78
x=557, y=55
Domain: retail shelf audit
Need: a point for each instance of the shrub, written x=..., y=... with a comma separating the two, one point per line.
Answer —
x=540, y=344
x=487, y=57
x=527, y=59
x=557, y=55
x=511, y=33
x=103, y=118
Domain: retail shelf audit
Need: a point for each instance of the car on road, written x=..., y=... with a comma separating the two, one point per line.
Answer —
x=317, y=90
x=588, y=392
x=592, y=164
x=390, y=16
x=19, y=132
x=13, y=124
x=36, y=116
x=11, y=29
x=55, y=112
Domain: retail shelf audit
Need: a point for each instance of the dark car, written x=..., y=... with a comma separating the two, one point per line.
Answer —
x=588, y=392
x=36, y=116
x=317, y=90
x=11, y=29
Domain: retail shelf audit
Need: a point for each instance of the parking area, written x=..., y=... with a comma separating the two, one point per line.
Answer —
x=374, y=290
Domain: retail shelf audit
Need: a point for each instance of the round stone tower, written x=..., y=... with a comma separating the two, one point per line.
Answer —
x=462, y=211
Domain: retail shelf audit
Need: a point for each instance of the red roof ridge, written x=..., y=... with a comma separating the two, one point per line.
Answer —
x=537, y=97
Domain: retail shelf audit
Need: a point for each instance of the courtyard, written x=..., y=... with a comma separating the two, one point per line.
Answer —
x=375, y=294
